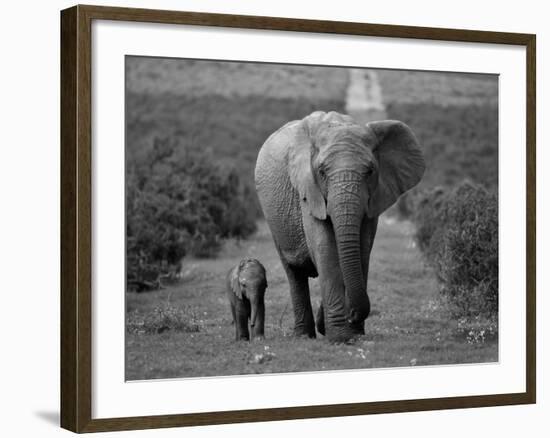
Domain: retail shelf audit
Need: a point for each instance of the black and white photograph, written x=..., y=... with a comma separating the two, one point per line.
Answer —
x=297, y=218
x=275, y=219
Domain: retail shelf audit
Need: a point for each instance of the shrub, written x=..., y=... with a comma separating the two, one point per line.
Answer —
x=163, y=318
x=477, y=330
x=179, y=202
x=234, y=127
x=428, y=212
x=457, y=230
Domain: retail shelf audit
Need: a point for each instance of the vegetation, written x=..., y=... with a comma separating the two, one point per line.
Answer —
x=198, y=78
x=179, y=202
x=457, y=230
x=163, y=318
x=442, y=89
x=193, y=133
x=193, y=112
x=459, y=142
x=232, y=129
x=409, y=324
x=457, y=221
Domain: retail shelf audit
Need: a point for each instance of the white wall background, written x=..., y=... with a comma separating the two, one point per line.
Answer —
x=29, y=225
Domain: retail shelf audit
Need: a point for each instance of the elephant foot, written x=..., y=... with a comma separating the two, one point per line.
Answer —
x=303, y=331
x=346, y=333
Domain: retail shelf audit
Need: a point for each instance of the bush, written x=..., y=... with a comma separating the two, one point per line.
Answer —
x=457, y=230
x=179, y=202
x=233, y=127
x=163, y=318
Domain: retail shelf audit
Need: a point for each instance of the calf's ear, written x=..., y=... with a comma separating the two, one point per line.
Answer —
x=235, y=283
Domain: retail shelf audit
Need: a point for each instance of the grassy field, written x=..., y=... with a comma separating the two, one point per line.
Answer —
x=455, y=118
x=409, y=325
x=459, y=142
x=188, y=77
x=439, y=88
x=231, y=109
x=228, y=107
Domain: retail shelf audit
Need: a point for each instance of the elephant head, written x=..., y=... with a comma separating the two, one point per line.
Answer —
x=248, y=280
x=343, y=172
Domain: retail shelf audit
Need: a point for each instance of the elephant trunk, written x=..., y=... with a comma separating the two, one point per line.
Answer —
x=347, y=211
x=257, y=317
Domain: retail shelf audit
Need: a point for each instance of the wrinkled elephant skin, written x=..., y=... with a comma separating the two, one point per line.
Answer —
x=322, y=182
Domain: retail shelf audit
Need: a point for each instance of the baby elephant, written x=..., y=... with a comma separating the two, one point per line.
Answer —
x=246, y=284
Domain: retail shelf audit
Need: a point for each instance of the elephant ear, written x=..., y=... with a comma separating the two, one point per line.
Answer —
x=235, y=283
x=300, y=171
x=400, y=163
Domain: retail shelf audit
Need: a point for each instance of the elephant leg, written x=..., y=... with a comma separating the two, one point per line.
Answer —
x=258, y=329
x=301, y=303
x=334, y=304
x=234, y=321
x=320, y=321
x=243, y=313
x=233, y=316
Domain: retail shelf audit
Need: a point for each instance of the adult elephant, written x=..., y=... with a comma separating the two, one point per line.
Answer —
x=322, y=183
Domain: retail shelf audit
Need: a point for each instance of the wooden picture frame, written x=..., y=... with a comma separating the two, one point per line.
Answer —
x=76, y=218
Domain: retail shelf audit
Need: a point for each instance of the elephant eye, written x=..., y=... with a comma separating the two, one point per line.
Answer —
x=322, y=173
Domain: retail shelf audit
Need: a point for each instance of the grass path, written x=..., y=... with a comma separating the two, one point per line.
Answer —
x=408, y=325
